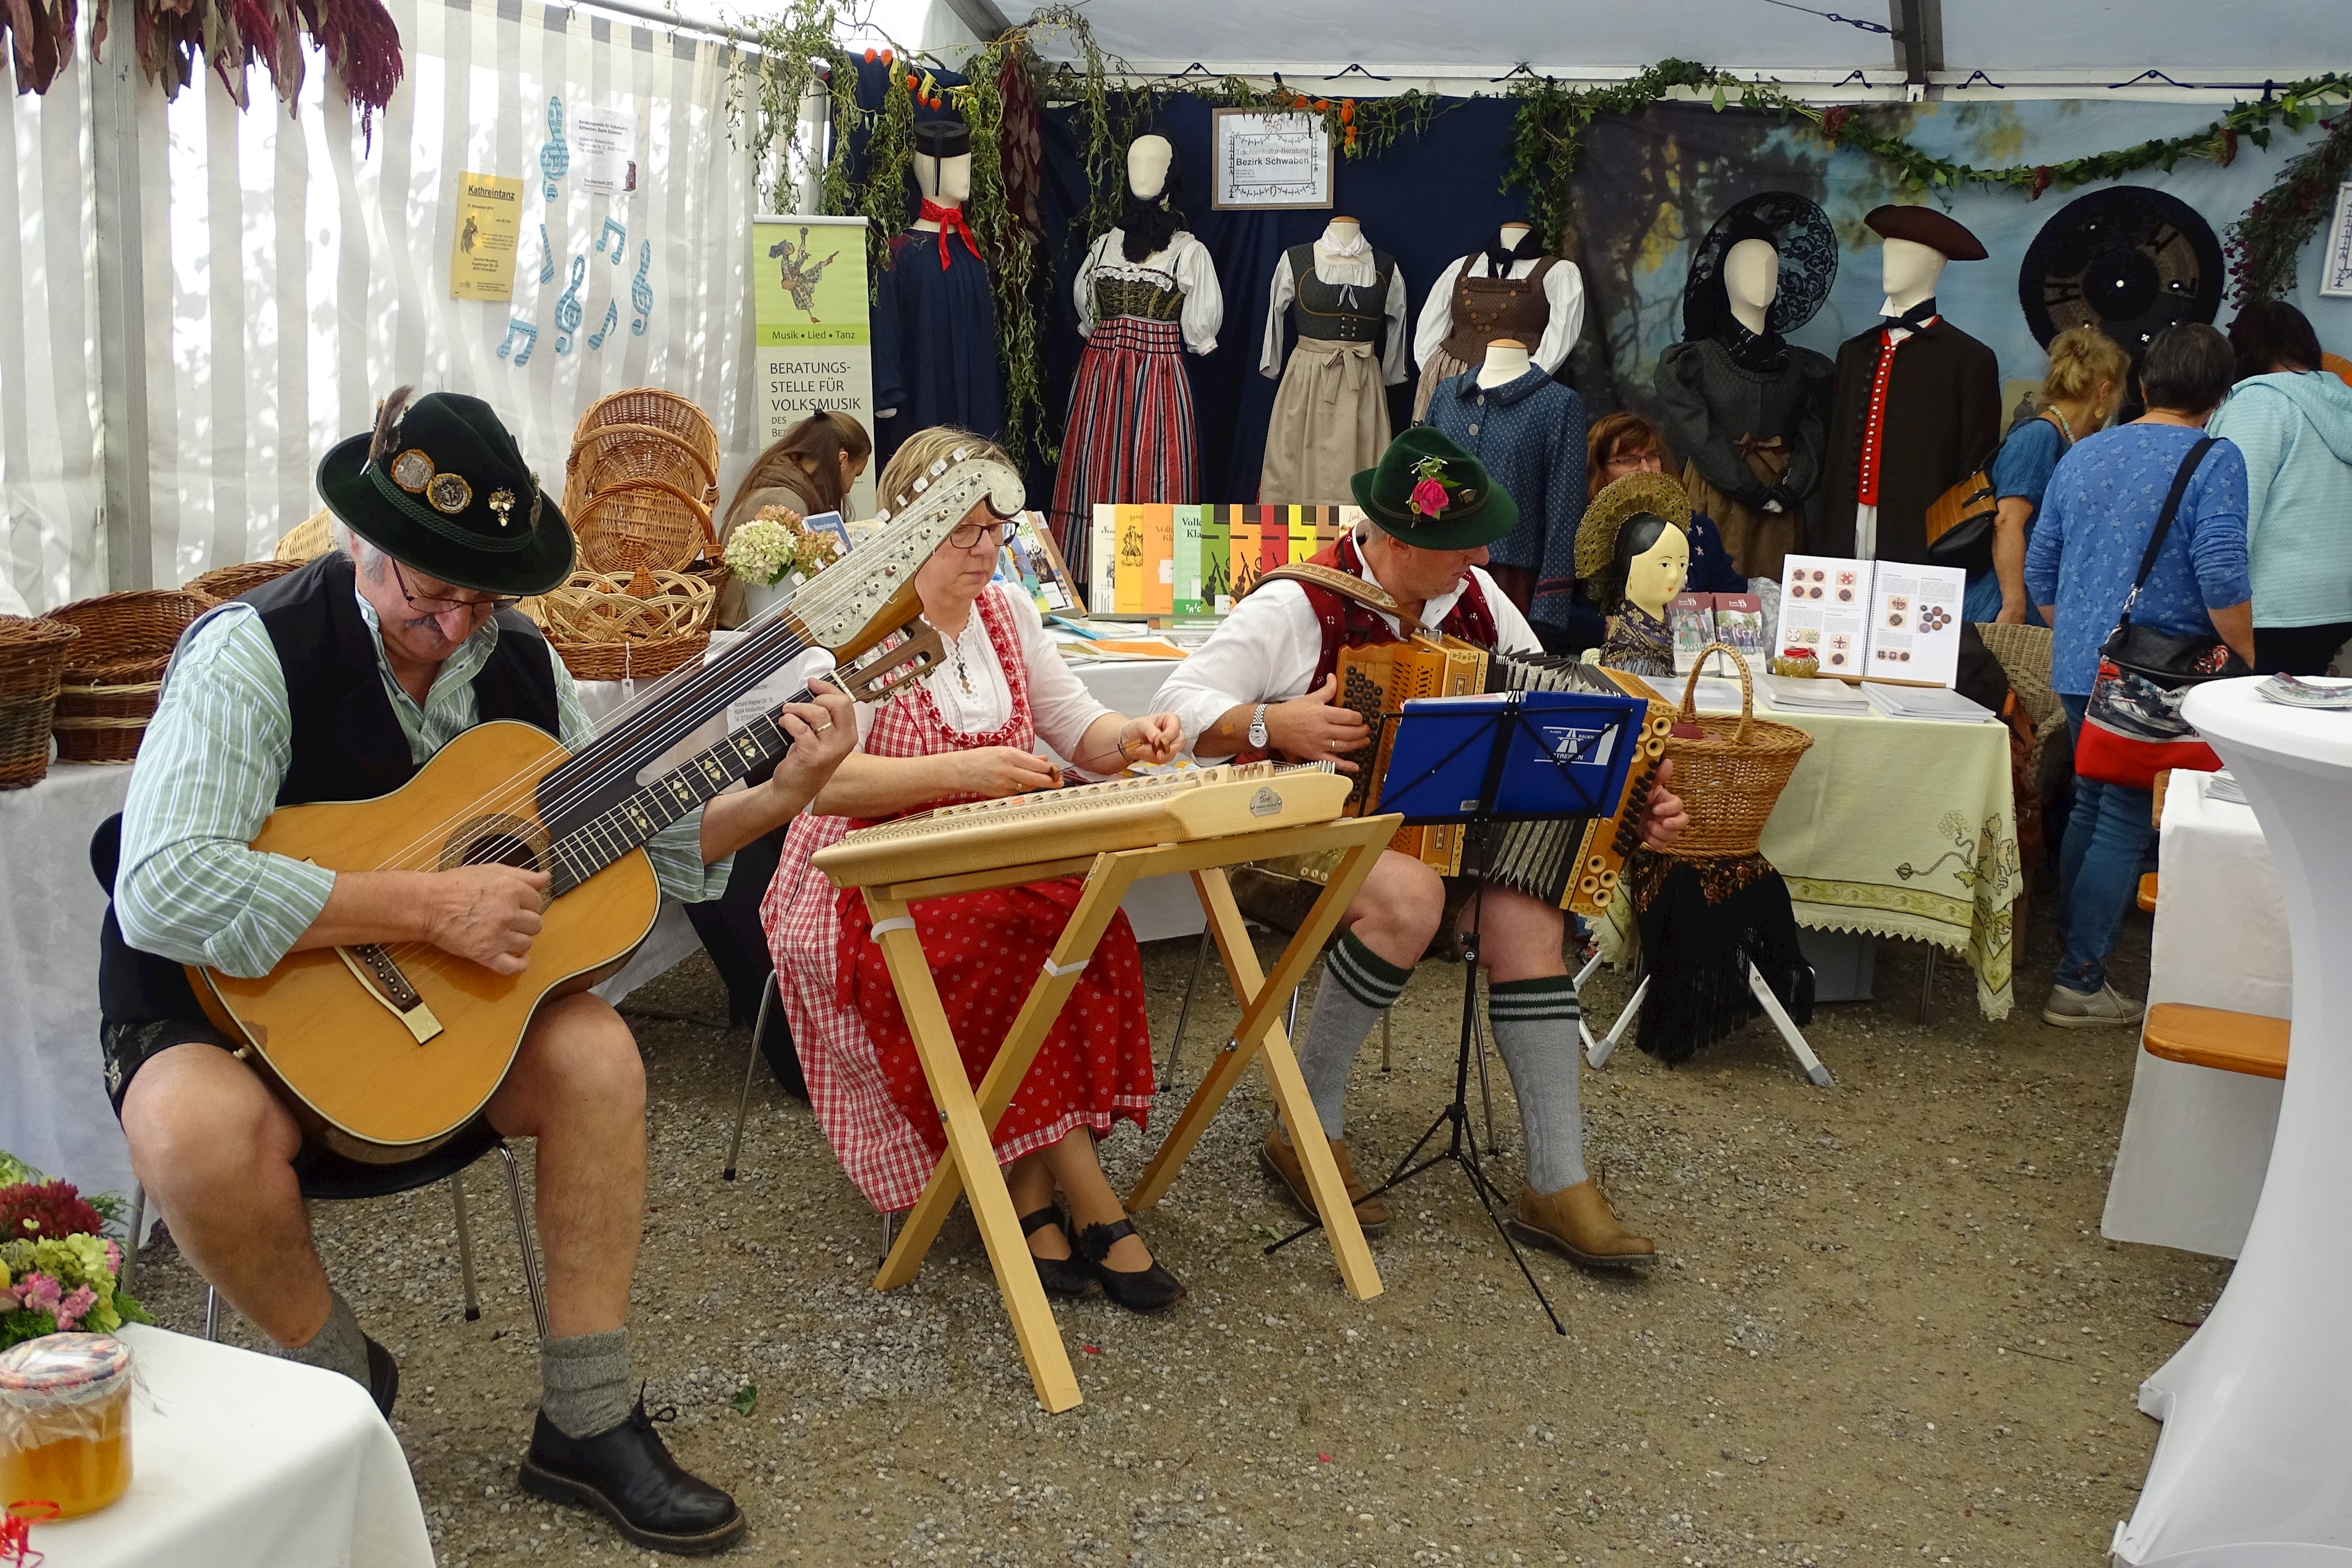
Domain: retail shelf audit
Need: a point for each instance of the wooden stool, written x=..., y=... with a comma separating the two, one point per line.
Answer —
x=2218, y=1038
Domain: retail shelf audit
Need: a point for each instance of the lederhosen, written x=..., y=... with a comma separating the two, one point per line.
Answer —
x=347, y=745
x=1483, y=309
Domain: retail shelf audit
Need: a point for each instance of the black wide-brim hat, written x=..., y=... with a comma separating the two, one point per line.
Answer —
x=440, y=486
x=1473, y=510
x=1797, y=231
x=1926, y=225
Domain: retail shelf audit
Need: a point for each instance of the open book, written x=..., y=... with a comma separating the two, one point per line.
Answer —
x=1881, y=621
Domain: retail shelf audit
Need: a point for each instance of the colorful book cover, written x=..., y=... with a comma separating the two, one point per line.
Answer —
x=1188, y=560
x=1102, y=558
x=1216, y=558
x=1328, y=527
x=1302, y=533
x=1158, y=559
x=1127, y=573
x=1273, y=538
x=1690, y=623
x=1244, y=563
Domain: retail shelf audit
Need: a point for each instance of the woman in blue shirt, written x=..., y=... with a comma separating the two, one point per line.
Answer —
x=2081, y=393
x=2097, y=516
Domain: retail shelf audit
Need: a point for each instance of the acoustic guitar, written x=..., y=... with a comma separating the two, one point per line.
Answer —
x=385, y=1051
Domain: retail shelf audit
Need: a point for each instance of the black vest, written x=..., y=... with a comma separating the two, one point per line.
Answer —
x=1324, y=310
x=347, y=742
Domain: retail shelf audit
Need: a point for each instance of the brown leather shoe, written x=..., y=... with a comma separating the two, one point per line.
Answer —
x=1577, y=1223
x=1371, y=1214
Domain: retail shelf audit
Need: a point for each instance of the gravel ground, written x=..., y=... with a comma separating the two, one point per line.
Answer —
x=1885, y=1328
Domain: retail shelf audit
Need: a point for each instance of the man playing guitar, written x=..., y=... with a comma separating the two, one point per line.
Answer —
x=337, y=683
x=1264, y=681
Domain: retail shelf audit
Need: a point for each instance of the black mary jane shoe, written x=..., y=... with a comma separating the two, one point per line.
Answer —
x=1070, y=1277
x=384, y=1377
x=1152, y=1290
x=627, y=1474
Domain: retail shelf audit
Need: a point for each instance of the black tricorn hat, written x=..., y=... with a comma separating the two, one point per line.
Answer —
x=440, y=486
x=1926, y=225
x=941, y=139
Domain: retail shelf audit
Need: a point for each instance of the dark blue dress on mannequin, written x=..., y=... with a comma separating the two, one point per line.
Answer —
x=935, y=342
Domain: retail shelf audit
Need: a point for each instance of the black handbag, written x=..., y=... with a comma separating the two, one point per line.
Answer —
x=2171, y=660
x=1962, y=522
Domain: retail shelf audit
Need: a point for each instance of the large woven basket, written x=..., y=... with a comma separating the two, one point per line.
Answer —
x=604, y=632
x=1731, y=776
x=618, y=454
x=662, y=410
x=313, y=536
x=644, y=525
x=115, y=669
x=32, y=657
x=226, y=583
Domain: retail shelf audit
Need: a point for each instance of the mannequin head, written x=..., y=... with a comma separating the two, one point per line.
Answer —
x=1910, y=270
x=1919, y=240
x=943, y=162
x=1148, y=159
x=1652, y=559
x=1154, y=209
x=1751, y=281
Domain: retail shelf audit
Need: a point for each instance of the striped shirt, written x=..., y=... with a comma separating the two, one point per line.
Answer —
x=208, y=773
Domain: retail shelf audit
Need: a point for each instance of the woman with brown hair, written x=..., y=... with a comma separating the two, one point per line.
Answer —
x=1622, y=444
x=807, y=470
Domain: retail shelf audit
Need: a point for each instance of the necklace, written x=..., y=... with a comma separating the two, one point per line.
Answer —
x=962, y=674
x=2065, y=426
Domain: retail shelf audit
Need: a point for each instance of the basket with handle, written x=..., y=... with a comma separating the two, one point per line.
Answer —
x=1730, y=776
x=32, y=658
x=114, y=670
x=664, y=411
x=619, y=454
x=226, y=583
x=645, y=525
x=603, y=630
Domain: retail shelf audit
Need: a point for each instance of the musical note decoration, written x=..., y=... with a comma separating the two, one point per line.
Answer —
x=546, y=256
x=567, y=305
x=524, y=332
x=611, y=320
x=555, y=158
x=620, y=235
x=641, y=291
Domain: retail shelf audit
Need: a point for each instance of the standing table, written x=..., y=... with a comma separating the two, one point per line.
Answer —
x=2257, y=1406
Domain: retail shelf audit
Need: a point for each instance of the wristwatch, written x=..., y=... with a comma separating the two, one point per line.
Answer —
x=1257, y=736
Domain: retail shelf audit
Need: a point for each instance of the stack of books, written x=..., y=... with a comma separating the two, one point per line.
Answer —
x=1924, y=701
x=1798, y=694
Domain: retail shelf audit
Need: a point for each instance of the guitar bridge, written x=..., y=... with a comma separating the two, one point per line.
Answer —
x=380, y=975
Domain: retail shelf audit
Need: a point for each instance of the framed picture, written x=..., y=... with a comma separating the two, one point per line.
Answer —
x=1270, y=161
x=1030, y=559
x=2335, y=263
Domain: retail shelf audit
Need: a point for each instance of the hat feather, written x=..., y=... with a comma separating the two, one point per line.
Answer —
x=387, y=424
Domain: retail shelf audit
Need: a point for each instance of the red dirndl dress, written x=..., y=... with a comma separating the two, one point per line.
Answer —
x=985, y=950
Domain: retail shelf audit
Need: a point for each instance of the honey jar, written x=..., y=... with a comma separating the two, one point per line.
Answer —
x=65, y=1424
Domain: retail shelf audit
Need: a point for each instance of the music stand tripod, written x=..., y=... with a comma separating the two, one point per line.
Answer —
x=1477, y=818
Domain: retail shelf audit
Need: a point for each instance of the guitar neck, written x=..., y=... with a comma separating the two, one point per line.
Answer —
x=591, y=845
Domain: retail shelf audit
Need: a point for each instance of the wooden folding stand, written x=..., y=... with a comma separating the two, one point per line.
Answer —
x=968, y=1168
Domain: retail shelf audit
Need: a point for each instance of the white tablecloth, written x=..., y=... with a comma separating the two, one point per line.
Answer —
x=2197, y=1140
x=241, y=1460
x=53, y=1109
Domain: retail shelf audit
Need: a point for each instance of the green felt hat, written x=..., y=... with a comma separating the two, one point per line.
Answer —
x=440, y=486
x=1428, y=492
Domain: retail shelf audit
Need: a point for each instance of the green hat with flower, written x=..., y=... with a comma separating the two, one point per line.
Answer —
x=1429, y=492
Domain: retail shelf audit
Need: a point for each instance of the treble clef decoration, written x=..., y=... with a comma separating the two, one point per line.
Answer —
x=641, y=291
x=555, y=157
x=567, y=307
x=546, y=256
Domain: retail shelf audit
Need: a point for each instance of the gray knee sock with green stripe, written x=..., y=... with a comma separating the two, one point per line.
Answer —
x=1535, y=1029
x=1358, y=985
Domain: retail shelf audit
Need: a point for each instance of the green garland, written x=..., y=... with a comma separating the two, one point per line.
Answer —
x=2266, y=244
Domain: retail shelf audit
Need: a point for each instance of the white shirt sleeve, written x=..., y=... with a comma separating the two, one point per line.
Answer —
x=1266, y=651
x=1564, y=293
x=1437, y=313
x=1059, y=703
x=1285, y=289
x=1084, y=288
x=1512, y=632
x=1393, y=366
x=1204, y=305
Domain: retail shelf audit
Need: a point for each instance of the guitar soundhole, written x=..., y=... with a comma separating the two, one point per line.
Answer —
x=500, y=840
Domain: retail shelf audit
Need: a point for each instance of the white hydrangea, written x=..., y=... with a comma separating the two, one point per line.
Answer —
x=763, y=550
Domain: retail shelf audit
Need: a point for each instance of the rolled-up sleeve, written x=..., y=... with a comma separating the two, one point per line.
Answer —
x=677, y=851
x=190, y=888
x=1265, y=651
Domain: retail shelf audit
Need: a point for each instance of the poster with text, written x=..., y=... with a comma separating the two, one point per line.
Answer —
x=604, y=151
x=813, y=340
x=482, y=252
x=1270, y=161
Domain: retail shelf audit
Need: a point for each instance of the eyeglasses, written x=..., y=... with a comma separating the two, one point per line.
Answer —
x=964, y=535
x=439, y=607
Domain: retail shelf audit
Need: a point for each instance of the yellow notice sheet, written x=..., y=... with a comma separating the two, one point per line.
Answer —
x=489, y=220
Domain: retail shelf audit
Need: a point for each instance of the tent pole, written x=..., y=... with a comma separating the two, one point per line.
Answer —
x=117, y=88
x=1918, y=38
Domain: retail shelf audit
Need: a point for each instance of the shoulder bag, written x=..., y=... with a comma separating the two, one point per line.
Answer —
x=2132, y=728
x=1960, y=522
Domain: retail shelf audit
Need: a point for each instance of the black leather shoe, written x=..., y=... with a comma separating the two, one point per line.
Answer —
x=1152, y=1290
x=627, y=1474
x=383, y=1377
x=1071, y=1277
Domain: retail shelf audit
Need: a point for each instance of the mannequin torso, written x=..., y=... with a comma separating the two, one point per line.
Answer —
x=1506, y=360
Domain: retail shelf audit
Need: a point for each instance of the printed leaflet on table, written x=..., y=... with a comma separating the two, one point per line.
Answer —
x=1888, y=621
x=1696, y=620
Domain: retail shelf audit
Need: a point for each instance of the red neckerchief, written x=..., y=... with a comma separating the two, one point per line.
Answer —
x=950, y=221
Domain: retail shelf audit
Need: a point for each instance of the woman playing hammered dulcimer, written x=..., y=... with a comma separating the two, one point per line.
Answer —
x=963, y=731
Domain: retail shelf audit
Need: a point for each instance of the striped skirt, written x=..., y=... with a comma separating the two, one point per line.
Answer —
x=1131, y=436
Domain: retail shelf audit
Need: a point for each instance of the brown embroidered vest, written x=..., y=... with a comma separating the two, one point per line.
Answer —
x=1485, y=308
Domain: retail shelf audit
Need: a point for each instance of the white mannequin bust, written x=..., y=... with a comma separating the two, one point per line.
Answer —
x=1751, y=281
x=1342, y=232
x=1147, y=158
x=1512, y=233
x=1910, y=270
x=1506, y=360
x=947, y=180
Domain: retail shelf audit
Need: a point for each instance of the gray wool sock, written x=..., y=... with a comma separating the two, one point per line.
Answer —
x=338, y=1347
x=1358, y=985
x=584, y=1382
x=1535, y=1029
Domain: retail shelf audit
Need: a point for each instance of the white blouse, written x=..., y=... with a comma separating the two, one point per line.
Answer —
x=1058, y=702
x=1186, y=260
x=1341, y=271
x=1563, y=292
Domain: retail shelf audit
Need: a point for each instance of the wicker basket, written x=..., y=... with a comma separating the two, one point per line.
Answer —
x=618, y=454
x=604, y=633
x=313, y=536
x=1732, y=776
x=643, y=525
x=115, y=669
x=662, y=410
x=32, y=657
x=226, y=583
